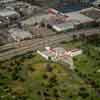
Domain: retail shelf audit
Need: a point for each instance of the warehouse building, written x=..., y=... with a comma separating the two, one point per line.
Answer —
x=6, y=1
x=23, y=8
x=91, y=12
x=68, y=21
x=19, y=34
x=5, y=37
x=83, y=20
x=36, y=19
x=9, y=15
x=96, y=3
x=62, y=21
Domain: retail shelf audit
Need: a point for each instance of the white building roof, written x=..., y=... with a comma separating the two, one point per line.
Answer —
x=49, y=54
x=18, y=34
x=73, y=19
x=63, y=26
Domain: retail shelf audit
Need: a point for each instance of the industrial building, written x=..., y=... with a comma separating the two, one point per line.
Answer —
x=5, y=38
x=60, y=22
x=7, y=13
x=19, y=34
x=6, y=1
x=96, y=3
x=68, y=21
x=66, y=6
x=92, y=12
x=24, y=9
x=9, y=16
x=77, y=1
x=35, y=19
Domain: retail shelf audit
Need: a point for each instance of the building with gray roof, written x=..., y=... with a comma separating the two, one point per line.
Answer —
x=19, y=34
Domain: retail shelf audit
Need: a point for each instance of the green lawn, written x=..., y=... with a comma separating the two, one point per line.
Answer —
x=72, y=44
x=89, y=65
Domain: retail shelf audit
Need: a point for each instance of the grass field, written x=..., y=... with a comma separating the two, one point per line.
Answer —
x=30, y=77
x=88, y=64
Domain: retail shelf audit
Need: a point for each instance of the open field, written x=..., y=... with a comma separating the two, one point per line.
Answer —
x=30, y=77
x=88, y=66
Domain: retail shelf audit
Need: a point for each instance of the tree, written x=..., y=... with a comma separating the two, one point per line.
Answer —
x=74, y=37
x=48, y=65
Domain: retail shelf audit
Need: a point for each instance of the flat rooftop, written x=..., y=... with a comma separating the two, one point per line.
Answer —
x=18, y=34
x=96, y=2
x=77, y=16
x=63, y=26
x=61, y=22
x=6, y=1
x=6, y=12
x=65, y=8
x=91, y=12
x=34, y=19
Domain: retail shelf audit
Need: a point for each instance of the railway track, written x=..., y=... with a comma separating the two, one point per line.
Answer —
x=32, y=45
